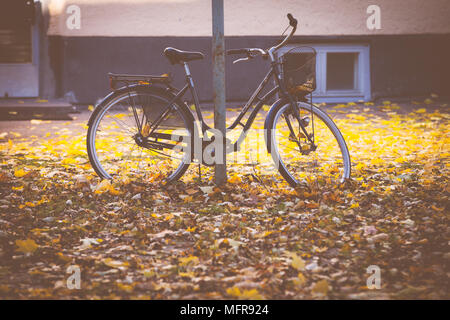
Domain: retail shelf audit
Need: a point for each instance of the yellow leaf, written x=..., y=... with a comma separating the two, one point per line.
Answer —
x=321, y=287
x=124, y=287
x=68, y=161
x=234, y=292
x=188, y=260
x=26, y=246
x=436, y=208
x=252, y=294
x=20, y=173
x=103, y=186
x=377, y=161
x=119, y=116
x=297, y=262
x=401, y=159
x=267, y=233
x=17, y=188
x=114, y=191
x=115, y=263
x=235, y=179
x=168, y=217
x=321, y=249
x=264, y=234
x=300, y=280
x=186, y=274
x=146, y=130
x=354, y=205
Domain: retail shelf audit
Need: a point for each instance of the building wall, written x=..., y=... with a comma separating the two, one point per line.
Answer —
x=409, y=55
x=192, y=18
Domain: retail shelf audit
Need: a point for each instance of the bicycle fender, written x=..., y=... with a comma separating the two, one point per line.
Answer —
x=272, y=111
x=167, y=91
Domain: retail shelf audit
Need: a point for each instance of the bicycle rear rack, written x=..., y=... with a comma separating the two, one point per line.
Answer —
x=127, y=79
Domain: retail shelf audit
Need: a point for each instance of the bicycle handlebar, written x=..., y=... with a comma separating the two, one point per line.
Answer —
x=251, y=52
x=292, y=21
x=237, y=51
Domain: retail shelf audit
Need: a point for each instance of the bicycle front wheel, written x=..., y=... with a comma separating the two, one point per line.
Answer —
x=137, y=133
x=316, y=149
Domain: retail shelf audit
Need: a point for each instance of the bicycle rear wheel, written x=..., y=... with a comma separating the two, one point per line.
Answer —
x=136, y=132
x=323, y=156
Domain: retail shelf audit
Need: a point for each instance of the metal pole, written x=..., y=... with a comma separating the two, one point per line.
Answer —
x=218, y=54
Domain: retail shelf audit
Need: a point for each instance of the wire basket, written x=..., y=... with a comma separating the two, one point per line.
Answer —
x=298, y=69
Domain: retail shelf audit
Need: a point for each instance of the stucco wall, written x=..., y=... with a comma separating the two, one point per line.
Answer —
x=249, y=17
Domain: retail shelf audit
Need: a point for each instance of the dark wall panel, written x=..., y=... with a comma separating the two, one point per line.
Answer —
x=88, y=60
x=410, y=65
x=400, y=65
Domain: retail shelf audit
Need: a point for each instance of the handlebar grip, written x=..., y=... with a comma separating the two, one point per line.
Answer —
x=292, y=21
x=237, y=51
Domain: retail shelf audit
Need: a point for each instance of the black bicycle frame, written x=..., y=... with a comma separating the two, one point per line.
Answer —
x=254, y=98
x=278, y=88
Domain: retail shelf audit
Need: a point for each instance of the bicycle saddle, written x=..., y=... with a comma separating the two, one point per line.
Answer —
x=177, y=56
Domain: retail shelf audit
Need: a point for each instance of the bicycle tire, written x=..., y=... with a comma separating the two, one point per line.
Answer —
x=275, y=112
x=110, y=100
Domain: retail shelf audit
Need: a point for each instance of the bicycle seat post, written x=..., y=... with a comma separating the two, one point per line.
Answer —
x=190, y=83
x=188, y=74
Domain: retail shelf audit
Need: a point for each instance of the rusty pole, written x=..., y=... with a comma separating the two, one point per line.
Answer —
x=218, y=54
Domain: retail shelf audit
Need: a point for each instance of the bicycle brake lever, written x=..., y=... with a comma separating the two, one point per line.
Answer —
x=240, y=59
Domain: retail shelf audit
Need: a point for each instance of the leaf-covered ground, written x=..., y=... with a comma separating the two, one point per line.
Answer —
x=255, y=238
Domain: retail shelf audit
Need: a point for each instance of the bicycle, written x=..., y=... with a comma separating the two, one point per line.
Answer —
x=145, y=128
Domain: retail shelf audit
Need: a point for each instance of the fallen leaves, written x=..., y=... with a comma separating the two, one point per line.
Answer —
x=253, y=238
x=252, y=294
x=321, y=287
x=296, y=262
x=115, y=263
x=27, y=246
x=184, y=261
x=88, y=242
x=21, y=173
x=106, y=186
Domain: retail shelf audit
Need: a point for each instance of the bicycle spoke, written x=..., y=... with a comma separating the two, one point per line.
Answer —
x=117, y=136
x=311, y=160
